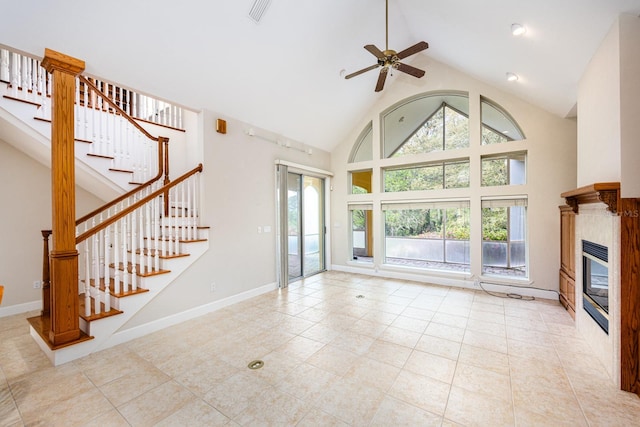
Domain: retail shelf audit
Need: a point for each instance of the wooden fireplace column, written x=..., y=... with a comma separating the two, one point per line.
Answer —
x=64, y=318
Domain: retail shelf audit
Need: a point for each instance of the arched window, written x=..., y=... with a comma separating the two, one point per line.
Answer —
x=363, y=148
x=431, y=122
x=497, y=125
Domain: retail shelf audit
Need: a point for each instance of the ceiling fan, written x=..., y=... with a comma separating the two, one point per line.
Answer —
x=390, y=59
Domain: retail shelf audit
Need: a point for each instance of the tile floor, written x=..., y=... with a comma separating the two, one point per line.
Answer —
x=404, y=354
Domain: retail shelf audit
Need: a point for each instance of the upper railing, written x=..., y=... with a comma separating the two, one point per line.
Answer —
x=30, y=82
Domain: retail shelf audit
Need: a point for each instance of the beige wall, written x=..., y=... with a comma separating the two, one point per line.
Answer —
x=599, y=115
x=551, y=145
x=238, y=185
x=630, y=104
x=608, y=110
x=25, y=191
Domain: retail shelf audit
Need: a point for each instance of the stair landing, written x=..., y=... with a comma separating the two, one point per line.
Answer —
x=42, y=325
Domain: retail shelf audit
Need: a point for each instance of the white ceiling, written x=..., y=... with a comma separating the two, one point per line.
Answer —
x=283, y=74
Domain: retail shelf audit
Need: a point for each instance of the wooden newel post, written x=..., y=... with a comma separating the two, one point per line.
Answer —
x=46, y=277
x=64, y=256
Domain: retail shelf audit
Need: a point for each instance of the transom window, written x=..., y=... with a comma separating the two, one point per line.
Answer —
x=433, y=176
x=504, y=169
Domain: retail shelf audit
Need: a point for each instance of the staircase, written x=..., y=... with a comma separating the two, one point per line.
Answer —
x=131, y=248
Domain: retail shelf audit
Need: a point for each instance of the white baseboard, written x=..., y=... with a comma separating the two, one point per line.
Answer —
x=20, y=308
x=458, y=280
x=165, y=322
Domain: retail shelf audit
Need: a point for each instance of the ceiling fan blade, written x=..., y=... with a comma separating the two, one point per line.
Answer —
x=415, y=72
x=418, y=47
x=381, y=78
x=364, y=70
x=375, y=51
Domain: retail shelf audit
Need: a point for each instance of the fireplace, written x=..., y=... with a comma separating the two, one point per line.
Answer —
x=595, y=282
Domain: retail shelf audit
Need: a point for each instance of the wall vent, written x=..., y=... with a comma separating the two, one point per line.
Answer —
x=258, y=9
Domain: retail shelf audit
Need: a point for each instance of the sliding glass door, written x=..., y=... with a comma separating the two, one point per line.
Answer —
x=301, y=211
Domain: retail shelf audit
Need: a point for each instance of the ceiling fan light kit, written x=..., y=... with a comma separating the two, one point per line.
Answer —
x=389, y=59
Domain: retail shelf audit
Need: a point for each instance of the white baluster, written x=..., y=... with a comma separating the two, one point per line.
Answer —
x=193, y=220
x=134, y=244
x=107, y=281
x=183, y=212
x=24, y=77
x=156, y=232
x=15, y=73
x=187, y=224
x=176, y=234
x=134, y=105
x=94, y=125
x=78, y=110
x=33, y=77
x=101, y=128
x=85, y=113
x=141, y=259
x=45, y=109
x=117, y=285
x=108, y=119
x=5, y=74
x=147, y=221
x=95, y=258
x=162, y=225
x=123, y=251
x=87, y=280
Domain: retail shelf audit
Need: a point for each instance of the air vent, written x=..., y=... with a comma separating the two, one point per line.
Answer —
x=258, y=9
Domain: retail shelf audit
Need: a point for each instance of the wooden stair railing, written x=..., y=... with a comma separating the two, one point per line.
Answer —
x=120, y=250
x=128, y=245
x=31, y=83
x=162, y=150
x=113, y=231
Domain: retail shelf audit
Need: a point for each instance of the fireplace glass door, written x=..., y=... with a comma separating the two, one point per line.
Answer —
x=595, y=282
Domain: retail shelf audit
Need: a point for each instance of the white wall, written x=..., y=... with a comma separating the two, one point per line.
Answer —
x=24, y=211
x=599, y=115
x=238, y=184
x=630, y=104
x=551, y=145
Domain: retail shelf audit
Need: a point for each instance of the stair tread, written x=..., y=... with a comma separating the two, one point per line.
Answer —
x=138, y=273
x=13, y=98
x=100, y=156
x=173, y=239
x=145, y=252
x=112, y=287
x=94, y=316
x=120, y=170
x=42, y=325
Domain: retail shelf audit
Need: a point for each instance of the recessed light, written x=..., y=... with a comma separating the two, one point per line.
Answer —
x=512, y=77
x=518, y=29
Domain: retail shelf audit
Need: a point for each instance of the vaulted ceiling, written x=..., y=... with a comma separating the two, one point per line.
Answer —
x=284, y=73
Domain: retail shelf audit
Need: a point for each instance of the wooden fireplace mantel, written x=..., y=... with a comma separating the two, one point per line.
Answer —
x=605, y=192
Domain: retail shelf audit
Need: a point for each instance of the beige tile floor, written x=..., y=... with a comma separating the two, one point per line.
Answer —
x=405, y=354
